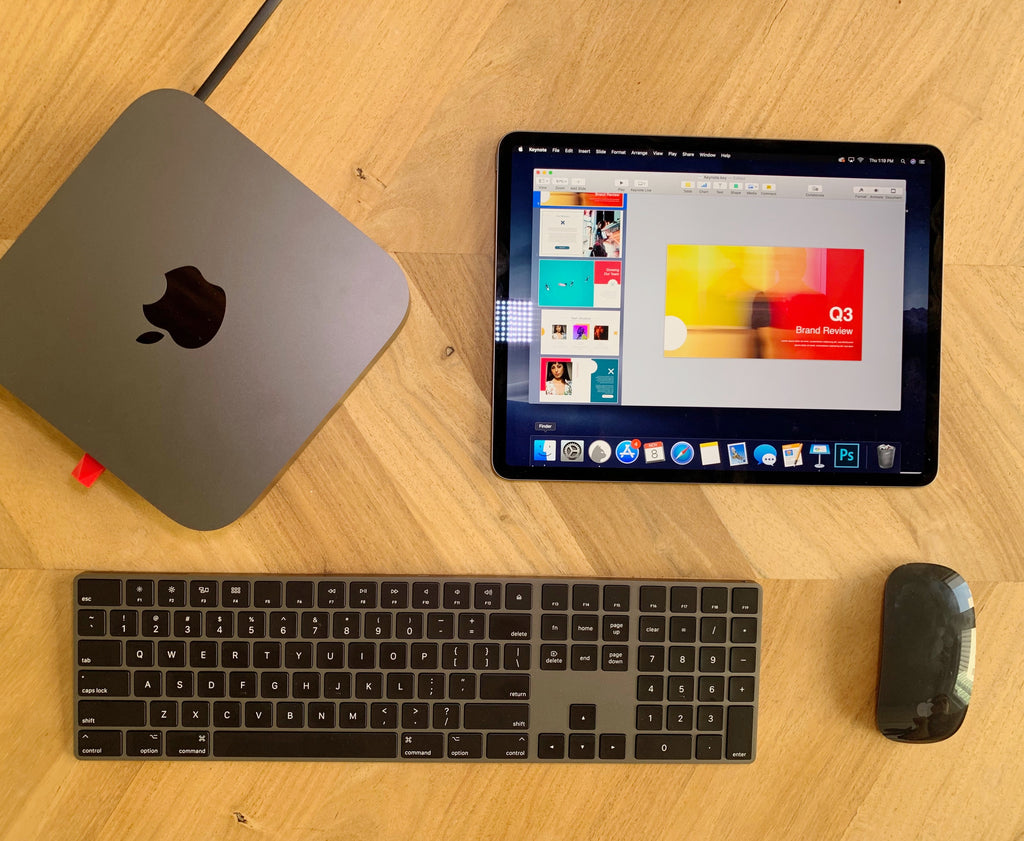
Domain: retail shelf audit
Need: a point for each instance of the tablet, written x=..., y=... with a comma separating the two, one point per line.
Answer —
x=717, y=310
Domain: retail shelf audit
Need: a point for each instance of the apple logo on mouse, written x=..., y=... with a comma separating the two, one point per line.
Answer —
x=191, y=309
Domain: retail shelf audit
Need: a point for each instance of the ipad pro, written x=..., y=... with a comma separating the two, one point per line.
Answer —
x=717, y=310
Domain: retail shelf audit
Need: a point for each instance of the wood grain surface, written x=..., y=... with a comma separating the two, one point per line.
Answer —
x=392, y=112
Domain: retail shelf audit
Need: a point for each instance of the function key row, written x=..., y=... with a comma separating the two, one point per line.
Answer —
x=402, y=595
x=388, y=595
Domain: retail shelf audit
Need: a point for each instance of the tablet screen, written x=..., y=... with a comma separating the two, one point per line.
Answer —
x=688, y=309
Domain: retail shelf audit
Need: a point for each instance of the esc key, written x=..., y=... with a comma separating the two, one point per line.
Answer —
x=102, y=592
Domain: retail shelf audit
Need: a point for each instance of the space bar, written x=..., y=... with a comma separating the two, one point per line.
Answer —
x=278, y=745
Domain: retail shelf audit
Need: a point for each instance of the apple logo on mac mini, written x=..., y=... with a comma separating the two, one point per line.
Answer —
x=191, y=310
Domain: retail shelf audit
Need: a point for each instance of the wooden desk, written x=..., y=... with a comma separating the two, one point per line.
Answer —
x=392, y=111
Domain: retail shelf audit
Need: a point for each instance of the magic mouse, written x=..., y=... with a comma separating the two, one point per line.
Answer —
x=926, y=668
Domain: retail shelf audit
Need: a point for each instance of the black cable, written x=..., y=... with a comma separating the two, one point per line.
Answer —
x=236, y=49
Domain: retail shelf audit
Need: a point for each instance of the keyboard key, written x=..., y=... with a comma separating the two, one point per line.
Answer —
x=507, y=746
x=615, y=658
x=111, y=713
x=191, y=742
x=99, y=653
x=744, y=629
x=585, y=597
x=652, y=629
x=99, y=743
x=554, y=626
x=394, y=595
x=612, y=746
x=111, y=684
x=582, y=717
x=744, y=600
x=741, y=689
x=423, y=746
x=554, y=596
x=505, y=687
x=509, y=626
x=709, y=747
x=92, y=623
x=497, y=716
x=682, y=629
x=235, y=594
x=426, y=595
x=305, y=745
x=663, y=746
x=202, y=594
x=362, y=594
x=741, y=659
x=650, y=688
x=267, y=594
x=456, y=596
x=330, y=594
x=446, y=716
x=710, y=718
x=139, y=592
x=551, y=746
x=465, y=746
x=740, y=733
x=652, y=599
x=711, y=688
x=714, y=599
x=615, y=629
x=582, y=745
x=584, y=658
x=99, y=592
x=584, y=627
x=712, y=629
x=487, y=597
x=684, y=599
x=649, y=717
x=651, y=658
x=616, y=598
x=518, y=596
x=679, y=717
x=171, y=593
x=553, y=657
x=298, y=594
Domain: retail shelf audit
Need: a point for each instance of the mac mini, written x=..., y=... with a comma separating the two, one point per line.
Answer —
x=188, y=313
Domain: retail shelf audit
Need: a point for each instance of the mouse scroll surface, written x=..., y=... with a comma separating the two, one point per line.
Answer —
x=926, y=669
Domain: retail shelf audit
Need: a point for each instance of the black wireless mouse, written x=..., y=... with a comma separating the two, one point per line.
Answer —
x=926, y=669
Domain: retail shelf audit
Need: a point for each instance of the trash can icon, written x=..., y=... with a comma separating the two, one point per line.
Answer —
x=886, y=455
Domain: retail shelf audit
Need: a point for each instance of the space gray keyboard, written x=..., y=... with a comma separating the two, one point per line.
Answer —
x=414, y=669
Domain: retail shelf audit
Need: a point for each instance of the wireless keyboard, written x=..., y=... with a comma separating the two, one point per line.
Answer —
x=413, y=669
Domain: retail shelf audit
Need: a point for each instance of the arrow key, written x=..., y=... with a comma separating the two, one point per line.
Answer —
x=582, y=716
x=551, y=746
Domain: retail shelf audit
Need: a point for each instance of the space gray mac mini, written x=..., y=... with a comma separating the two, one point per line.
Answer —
x=188, y=313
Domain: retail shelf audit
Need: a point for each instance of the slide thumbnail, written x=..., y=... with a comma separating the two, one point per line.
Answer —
x=565, y=379
x=580, y=233
x=580, y=332
x=580, y=283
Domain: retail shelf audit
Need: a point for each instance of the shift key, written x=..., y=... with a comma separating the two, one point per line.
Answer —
x=497, y=716
x=111, y=713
